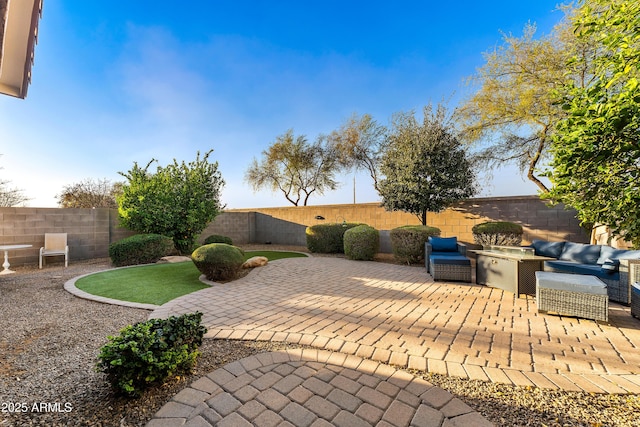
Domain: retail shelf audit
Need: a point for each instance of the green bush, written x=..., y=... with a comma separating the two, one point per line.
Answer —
x=218, y=261
x=216, y=238
x=361, y=243
x=148, y=353
x=407, y=242
x=497, y=233
x=327, y=238
x=140, y=249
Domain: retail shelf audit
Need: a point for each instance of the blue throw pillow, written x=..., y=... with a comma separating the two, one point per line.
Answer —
x=580, y=253
x=549, y=249
x=608, y=252
x=444, y=244
x=610, y=266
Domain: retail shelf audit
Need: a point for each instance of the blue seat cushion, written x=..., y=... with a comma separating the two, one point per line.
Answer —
x=548, y=249
x=580, y=253
x=610, y=266
x=588, y=269
x=444, y=244
x=449, y=259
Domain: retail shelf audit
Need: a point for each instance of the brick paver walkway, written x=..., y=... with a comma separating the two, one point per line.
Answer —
x=366, y=316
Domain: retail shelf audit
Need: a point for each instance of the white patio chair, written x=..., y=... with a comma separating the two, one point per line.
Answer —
x=55, y=244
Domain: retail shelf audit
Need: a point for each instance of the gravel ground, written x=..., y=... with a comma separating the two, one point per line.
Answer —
x=49, y=341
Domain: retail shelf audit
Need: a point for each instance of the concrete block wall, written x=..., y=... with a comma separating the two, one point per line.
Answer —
x=286, y=225
x=239, y=226
x=88, y=234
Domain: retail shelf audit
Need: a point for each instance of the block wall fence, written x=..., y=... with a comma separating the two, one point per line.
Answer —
x=90, y=231
x=286, y=225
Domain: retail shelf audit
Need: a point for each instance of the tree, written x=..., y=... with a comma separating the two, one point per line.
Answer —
x=296, y=168
x=425, y=167
x=177, y=201
x=90, y=193
x=11, y=196
x=596, y=151
x=359, y=144
x=513, y=114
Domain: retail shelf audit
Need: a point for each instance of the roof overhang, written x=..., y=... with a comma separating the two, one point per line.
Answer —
x=18, y=35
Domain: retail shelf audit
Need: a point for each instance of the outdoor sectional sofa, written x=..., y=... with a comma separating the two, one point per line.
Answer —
x=618, y=268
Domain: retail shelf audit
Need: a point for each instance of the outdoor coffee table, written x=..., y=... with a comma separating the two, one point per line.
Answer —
x=575, y=295
x=6, y=249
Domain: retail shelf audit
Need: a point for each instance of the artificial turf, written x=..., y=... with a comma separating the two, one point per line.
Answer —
x=157, y=283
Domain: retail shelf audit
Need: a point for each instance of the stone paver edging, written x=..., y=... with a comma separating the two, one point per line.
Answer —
x=313, y=388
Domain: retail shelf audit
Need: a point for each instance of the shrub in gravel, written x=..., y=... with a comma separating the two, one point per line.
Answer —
x=497, y=233
x=218, y=261
x=140, y=249
x=407, y=242
x=148, y=353
x=361, y=243
x=217, y=238
x=327, y=238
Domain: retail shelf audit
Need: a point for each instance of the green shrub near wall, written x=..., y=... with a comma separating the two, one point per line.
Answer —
x=407, y=242
x=140, y=249
x=361, y=243
x=217, y=238
x=327, y=238
x=501, y=233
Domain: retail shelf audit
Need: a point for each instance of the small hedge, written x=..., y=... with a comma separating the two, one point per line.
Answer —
x=327, y=238
x=217, y=238
x=361, y=243
x=148, y=353
x=497, y=233
x=140, y=249
x=407, y=242
x=218, y=261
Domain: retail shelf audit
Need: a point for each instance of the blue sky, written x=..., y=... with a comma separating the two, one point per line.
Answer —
x=126, y=81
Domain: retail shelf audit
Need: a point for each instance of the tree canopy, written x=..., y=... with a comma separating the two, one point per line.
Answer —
x=296, y=168
x=90, y=193
x=596, y=164
x=425, y=167
x=512, y=115
x=178, y=200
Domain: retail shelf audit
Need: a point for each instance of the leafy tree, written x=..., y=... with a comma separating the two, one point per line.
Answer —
x=596, y=164
x=359, y=144
x=425, y=167
x=295, y=167
x=513, y=114
x=90, y=193
x=11, y=196
x=177, y=201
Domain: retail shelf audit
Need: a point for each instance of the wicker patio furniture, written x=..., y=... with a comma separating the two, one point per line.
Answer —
x=572, y=295
x=445, y=259
x=635, y=300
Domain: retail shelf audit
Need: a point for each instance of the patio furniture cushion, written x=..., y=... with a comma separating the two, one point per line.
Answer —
x=607, y=252
x=449, y=259
x=548, y=249
x=570, y=282
x=444, y=244
x=575, y=268
x=610, y=266
x=580, y=252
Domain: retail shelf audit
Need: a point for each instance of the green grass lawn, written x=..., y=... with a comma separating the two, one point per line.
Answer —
x=158, y=283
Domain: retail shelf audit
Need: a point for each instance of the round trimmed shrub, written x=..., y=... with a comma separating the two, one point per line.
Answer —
x=217, y=238
x=361, y=243
x=140, y=249
x=218, y=261
x=327, y=238
x=407, y=242
x=500, y=233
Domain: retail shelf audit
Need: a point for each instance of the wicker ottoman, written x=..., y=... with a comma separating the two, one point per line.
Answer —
x=450, y=267
x=572, y=295
x=635, y=300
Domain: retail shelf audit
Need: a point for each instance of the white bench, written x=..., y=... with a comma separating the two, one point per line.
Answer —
x=572, y=295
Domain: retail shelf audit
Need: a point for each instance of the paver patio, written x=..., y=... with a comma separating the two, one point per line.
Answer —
x=397, y=315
